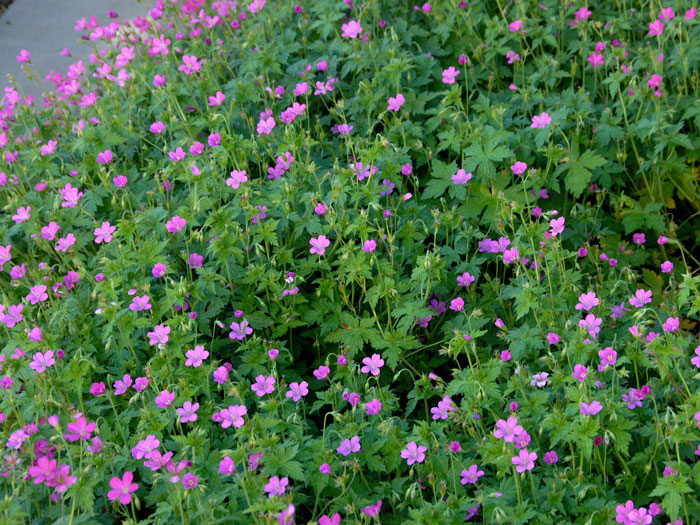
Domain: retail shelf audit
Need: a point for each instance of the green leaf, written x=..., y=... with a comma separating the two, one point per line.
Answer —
x=579, y=173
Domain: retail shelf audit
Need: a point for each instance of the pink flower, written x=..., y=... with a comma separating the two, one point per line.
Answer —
x=449, y=75
x=104, y=233
x=177, y=155
x=596, y=59
x=104, y=157
x=158, y=270
x=233, y=416
x=176, y=224
x=608, y=356
x=196, y=356
x=369, y=246
x=122, y=488
x=159, y=335
x=24, y=56
x=667, y=267
x=372, y=364
x=5, y=255
x=22, y=214
x=461, y=177
x=590, y=409
x=557, y=226
x=691, y=13
x=582, y=14
x=641, y=297
x=656, y=28
x=79, y=429
x=319, y=245
x=190, y=64
x=37, y=294
x=165, y=399
x=62, y=479
x=226, y=466
x=395, y=103
x=655, y=81
x=217, y=99
x=263, y=385
x=49, y=148
x=239, y=330
x=580, y=373
x=188, y=412
x=276, y=486
x=352, y=29
x=518, y=168
x=465, y=279
x=297, y=391
x=236, y=179
x=41, y=361
x=372, y=408
x=471, y=475
x=159, y=46
x=541, y=121
x=587, y=301
x=511, y=255
x=145, y=447
x=70, y=195
x=266, y=125
x=348, y=446
x=524, y=460
x=514, y=27
x=672, y=324
x=507, y=429
x=333, y=520
x=157, y=128
x=373, y=510
x=413, y=453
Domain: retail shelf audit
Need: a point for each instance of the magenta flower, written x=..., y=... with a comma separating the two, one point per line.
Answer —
x=217, y=99
x=5, y=255
x=696, y=360
x=352, y=29
x=516, y=26
x=443, y=408
x=557, y=226
x=266, y=125
x=159, y=335
x=42, y=361
x=164, y=399
x=373, y=510
x=369, y=246
x=188, y=412
x=348, y=446
x=553, y=338
x=511, y=255
x=524, y=460
x=236, y=179
x=551, y=457
x=449, y=75
x=672, y=324
x=227, y=466
x=189, y=481
x=592, y=324
x=541, y=121
x=220, y=375
x=190, y=64
x=177, y=155
x=239, y=330
x=43, y=470
x=656, y=28
x=104, y=233
x=122, y=488
x=372, y=364
x=104, y=157
x=62, y=479
x=591, y=409
x=13, y=315
x=232, y=416
x=507, y=429
x=79, y=429
x=276, y=486
x=64, y=243
x=372, y=408
x=37, y=294
x=139, y=304
x=666, y=267
x=145, y=447
x=461, y=177
x=413, y=453
x=471, y=475
x=395, y=103
x=319, y=245
x=641, y=297
x=465, y=279
x=22, y=214
x=333, y=520
x=196, y=356
x=176, y=224
x=596, y=59
x=608, y=356
x=263, y=385
x=297, y=390
x=587, y=301
x=518, y=168
x=159, y=270
x=122, y=385
x=580, y=373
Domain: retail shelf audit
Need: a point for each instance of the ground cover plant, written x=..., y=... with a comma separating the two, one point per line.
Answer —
x=356, y=263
